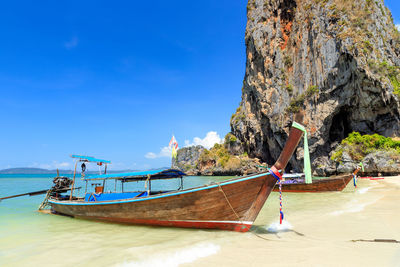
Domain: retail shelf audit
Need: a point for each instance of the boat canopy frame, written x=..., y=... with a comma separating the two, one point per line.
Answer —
x=140, y=175
x=81, y=158
x=146, y=176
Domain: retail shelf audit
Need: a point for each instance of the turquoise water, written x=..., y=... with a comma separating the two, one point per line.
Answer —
x=324, y=221
x=30, y=237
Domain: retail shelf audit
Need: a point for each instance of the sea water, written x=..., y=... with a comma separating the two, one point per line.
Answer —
x=28, y=237
x=313, y=222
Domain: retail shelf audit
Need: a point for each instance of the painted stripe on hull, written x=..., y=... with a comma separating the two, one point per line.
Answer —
x=305, y=191
x=222, y=225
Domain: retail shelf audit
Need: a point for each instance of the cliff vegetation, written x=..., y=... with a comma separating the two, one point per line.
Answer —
x=359, y=146
x=335, y=61
x=379, y=154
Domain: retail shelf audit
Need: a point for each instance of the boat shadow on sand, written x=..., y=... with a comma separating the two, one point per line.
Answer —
x=260, y=229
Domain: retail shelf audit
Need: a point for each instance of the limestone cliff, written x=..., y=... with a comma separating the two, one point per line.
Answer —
x=337, y=61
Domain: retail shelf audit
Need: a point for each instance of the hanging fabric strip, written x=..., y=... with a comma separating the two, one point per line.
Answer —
x=307, y=162
x=362, y=166
x=275, y=173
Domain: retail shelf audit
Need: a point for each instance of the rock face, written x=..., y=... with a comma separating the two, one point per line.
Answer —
x=221, y=160
x=378, y=162
x=187, y=159
x=384, y=162
x=337, y=61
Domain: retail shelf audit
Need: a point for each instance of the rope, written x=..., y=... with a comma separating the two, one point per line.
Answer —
x=280, y=202
x=94, y=197
x=275, y=173
x=230, y=205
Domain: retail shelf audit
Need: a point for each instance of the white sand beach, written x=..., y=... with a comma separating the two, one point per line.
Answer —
x=323, y=231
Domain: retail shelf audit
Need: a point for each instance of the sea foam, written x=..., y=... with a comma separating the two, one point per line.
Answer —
x=277, y=227
x=176, y=258
x=354, y=206
x=363, y=190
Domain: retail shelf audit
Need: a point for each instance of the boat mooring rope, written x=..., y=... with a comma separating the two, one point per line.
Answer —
x=241, y=222
x=275, y=173
x=230, y=205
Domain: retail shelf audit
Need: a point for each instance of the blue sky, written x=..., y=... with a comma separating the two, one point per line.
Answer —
x=115, y=79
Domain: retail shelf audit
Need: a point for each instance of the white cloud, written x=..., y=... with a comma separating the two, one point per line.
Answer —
x=53, y=165
x=165, y=152
x=398, y=26
x=71, y=43
x=150, y=155
x=208, y=141
x=62, y=165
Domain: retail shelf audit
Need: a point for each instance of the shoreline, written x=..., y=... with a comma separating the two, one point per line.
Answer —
x=324, y=238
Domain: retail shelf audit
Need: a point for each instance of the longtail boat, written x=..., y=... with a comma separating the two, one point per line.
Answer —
x=305, y=182
x=334, y=183
x=229, y=205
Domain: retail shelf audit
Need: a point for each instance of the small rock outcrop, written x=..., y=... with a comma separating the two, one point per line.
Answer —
x=377, y=153
x=225, y=159
x=187, y=159
x=335, y=60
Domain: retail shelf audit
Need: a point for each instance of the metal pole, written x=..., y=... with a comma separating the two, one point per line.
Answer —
x=149, y=187
x=73, y=181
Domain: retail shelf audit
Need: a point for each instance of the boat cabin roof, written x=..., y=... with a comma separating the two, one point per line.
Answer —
x=140, y=175
x=89, y=159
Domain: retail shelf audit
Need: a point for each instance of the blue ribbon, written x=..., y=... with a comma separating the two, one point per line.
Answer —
x=273, y=174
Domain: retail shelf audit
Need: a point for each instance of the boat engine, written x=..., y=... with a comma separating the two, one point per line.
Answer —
x=61, y=184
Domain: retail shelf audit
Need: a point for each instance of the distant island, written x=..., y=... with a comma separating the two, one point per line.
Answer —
x=31, y=171
x=25, y=170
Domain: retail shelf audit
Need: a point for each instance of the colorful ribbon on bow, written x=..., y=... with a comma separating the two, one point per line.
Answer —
x=360, y=166
x=275, y=173
x=306, y=153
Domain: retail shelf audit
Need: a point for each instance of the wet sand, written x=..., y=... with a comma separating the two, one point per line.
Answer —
x=323, y=226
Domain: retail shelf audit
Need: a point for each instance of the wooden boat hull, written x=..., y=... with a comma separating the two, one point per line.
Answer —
x=230, y=205
x=322, y=185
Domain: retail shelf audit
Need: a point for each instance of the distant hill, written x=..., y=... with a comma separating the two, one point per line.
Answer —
x=32, y=171
x=45, y=171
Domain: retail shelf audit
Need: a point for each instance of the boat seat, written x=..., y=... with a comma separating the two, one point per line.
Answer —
x=91, y=197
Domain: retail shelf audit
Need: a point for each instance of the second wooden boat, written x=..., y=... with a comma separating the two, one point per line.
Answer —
x=305, y=183
x=334, y=183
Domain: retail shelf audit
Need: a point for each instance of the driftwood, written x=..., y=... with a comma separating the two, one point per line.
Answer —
x=377, y=240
